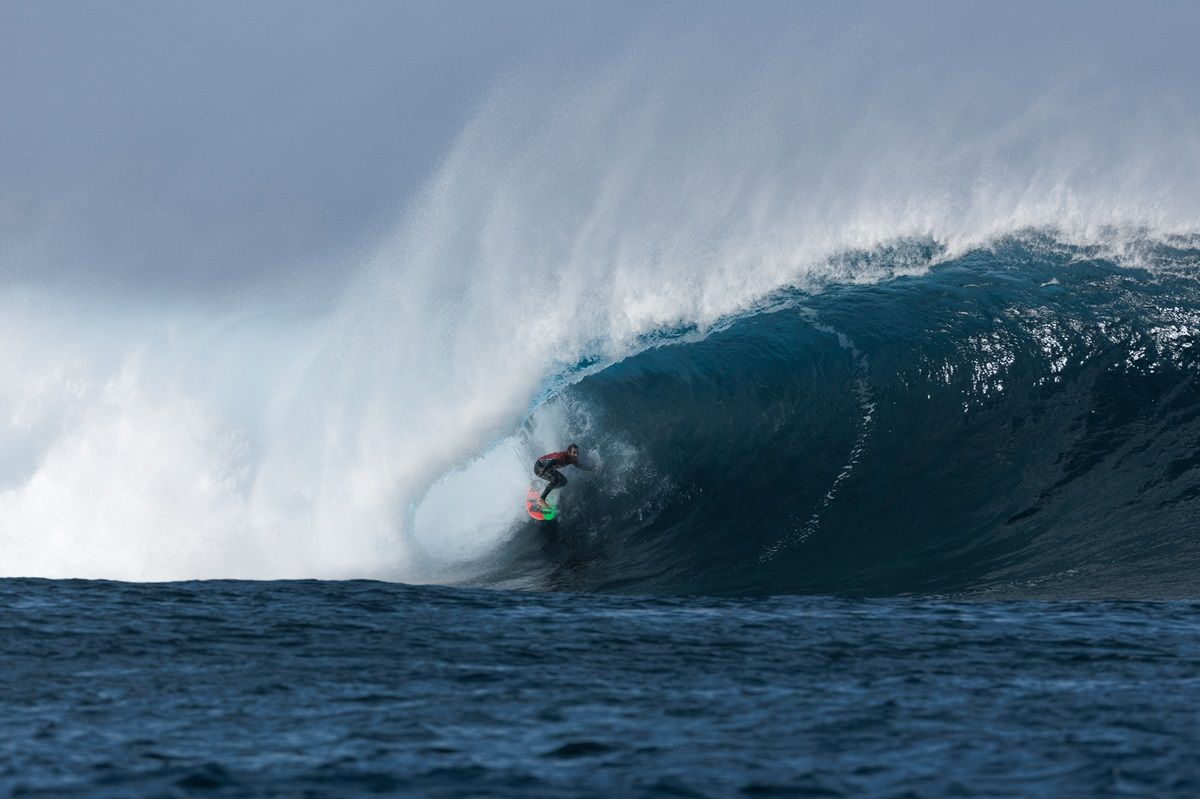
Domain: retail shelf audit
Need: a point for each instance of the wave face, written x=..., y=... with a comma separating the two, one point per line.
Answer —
x=1023, y=420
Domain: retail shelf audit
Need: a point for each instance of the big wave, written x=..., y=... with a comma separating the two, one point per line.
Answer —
x=1024, y=420
x=757, y=211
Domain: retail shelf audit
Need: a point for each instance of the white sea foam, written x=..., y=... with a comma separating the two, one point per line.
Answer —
x=687, y=180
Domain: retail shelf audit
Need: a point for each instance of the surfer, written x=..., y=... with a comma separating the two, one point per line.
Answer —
x=547, y=467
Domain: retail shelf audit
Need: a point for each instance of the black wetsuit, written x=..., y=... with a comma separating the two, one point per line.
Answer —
x=547, y=468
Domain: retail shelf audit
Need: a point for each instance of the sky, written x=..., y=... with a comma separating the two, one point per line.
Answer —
x=187, y=149
x=181, y=147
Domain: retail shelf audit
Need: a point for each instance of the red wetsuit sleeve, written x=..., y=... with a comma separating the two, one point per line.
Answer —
x=558, y=458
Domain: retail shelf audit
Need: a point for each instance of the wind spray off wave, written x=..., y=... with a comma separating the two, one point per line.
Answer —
x=573, y=220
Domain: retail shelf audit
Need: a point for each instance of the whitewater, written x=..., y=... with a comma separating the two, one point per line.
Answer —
x=686, y=190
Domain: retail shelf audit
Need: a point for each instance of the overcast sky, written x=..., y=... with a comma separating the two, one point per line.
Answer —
x=202, y=148
x=191, y=145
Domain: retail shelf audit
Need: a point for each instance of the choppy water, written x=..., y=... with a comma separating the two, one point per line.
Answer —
x=360, y=688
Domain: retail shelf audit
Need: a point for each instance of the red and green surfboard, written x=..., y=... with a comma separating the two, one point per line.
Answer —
x=535, y=511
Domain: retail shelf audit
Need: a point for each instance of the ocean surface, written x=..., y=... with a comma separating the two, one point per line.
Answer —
x=360, y=688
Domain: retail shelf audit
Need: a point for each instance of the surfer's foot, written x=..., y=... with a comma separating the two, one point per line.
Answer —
x=543, y=504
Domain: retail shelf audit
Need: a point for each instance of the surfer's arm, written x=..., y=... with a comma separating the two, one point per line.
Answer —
x=587, y=467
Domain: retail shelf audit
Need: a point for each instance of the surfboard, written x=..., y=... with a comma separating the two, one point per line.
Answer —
x=532, y=508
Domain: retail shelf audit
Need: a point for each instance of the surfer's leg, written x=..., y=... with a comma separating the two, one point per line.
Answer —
x=556, y=481
x=542, y=474
x=551, y=482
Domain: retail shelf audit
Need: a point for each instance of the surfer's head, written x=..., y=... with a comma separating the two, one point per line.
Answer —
x=572, y=450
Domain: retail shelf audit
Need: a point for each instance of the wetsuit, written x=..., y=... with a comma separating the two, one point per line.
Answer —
x=547, y=467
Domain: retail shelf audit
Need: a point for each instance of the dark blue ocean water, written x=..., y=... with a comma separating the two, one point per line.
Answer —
x=357, y=688
x=931, y=536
